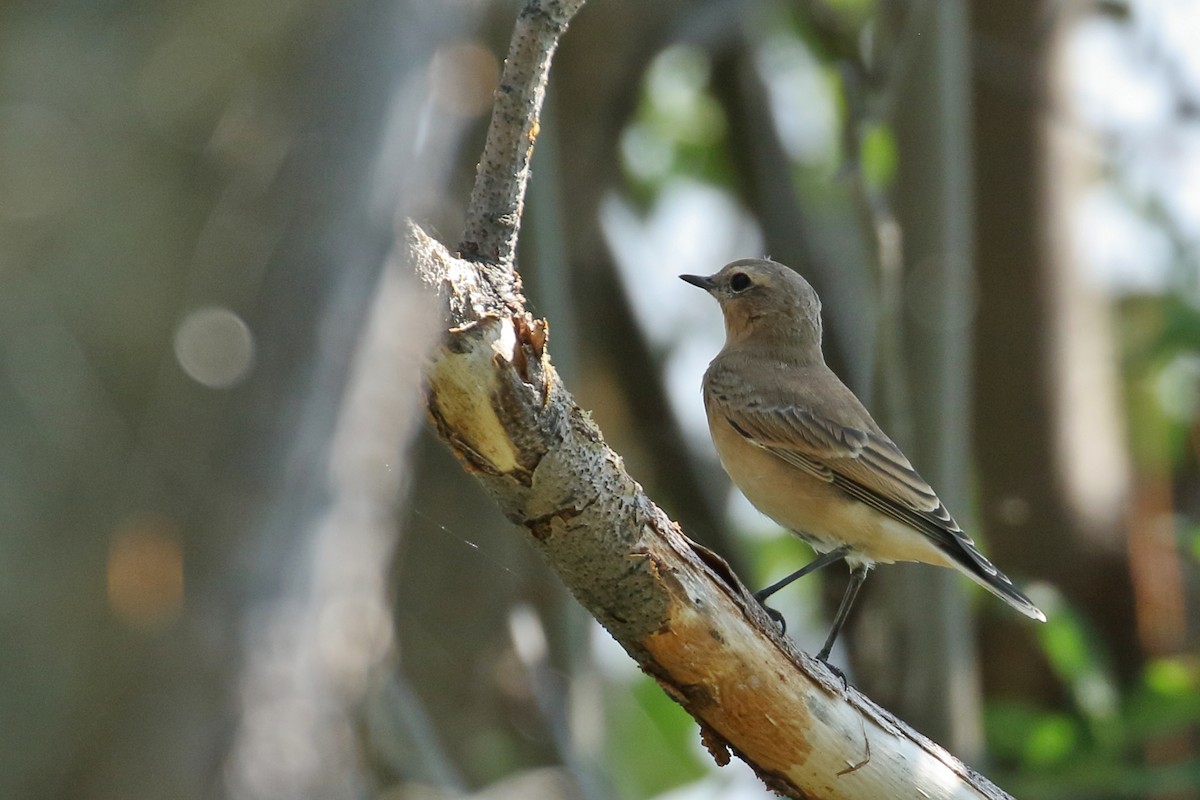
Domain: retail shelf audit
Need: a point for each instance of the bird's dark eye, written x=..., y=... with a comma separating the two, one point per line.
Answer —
x=739, y=281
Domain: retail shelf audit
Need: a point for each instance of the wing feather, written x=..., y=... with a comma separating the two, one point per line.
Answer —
x=864, y=464
x=790, y=419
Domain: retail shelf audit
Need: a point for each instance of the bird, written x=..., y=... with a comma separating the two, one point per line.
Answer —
x=805, y=451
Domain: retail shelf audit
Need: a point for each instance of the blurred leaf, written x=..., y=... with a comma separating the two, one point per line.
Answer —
x=1170, y=678
x=1066, y=645
x=878, y=155
x=857, y=11
x=1008, y=726
x=1180, y=327
x=1051, y=740
x=1075, y=652
x=1035, y=739
x=1167, y=700
x=1191, y=536
x=653, y=740
x=775, y=556
x=1155, y=331
x=1109, y=778
x=679, y=127
x=1056, y=755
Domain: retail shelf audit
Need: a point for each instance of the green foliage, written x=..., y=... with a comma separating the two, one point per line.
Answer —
x=1077, y=657
x=654, y=741
x=878, y=155
x=1191, y=537
x=1102, y=746
x=776, y=555
x=1035, y=740
x=854, y=13
x=1180, y=331
x=679, y=127
x=1160, y=337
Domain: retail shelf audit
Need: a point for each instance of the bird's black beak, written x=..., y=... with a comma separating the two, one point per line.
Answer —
x=704, y=283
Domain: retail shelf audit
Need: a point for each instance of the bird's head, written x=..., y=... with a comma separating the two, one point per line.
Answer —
x=765, y=303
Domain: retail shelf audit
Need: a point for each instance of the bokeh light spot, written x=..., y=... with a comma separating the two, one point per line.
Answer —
x=1170, y=677
x=145, y=573
x=1051, y=740
x=462, y=79
x=1014, y=510
x=214, y=347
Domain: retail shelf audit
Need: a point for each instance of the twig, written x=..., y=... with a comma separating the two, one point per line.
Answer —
x=498, y=199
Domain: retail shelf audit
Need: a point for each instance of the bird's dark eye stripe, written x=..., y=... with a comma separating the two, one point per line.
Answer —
x=739, y=281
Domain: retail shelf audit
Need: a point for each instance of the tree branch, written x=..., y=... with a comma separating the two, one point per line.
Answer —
x=498, y=199
x=675, y=607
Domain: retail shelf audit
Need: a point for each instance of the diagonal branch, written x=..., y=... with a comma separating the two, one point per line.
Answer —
x=676, y=608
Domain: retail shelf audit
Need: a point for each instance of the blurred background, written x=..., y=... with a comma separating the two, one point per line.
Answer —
x=235, y=563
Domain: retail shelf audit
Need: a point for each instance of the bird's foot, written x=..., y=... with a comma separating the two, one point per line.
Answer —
x=823, y=657
x=776, y=616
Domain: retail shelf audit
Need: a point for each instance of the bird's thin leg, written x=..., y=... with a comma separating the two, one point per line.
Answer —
x=857, y=576
x=825, y=560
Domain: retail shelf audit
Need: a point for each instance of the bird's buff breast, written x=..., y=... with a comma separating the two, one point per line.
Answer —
x=814, y=509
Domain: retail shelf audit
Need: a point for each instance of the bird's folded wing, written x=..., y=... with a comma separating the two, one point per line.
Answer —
x=864, y=464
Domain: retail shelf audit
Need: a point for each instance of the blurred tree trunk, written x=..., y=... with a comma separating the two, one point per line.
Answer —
x=1048, y=441
x=918, y=657
x=213, y=161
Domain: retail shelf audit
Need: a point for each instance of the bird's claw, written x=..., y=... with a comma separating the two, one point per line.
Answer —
x=823, y=658
x=776, y=617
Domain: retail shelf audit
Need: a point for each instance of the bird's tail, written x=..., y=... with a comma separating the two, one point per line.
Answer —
x=986, y=575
